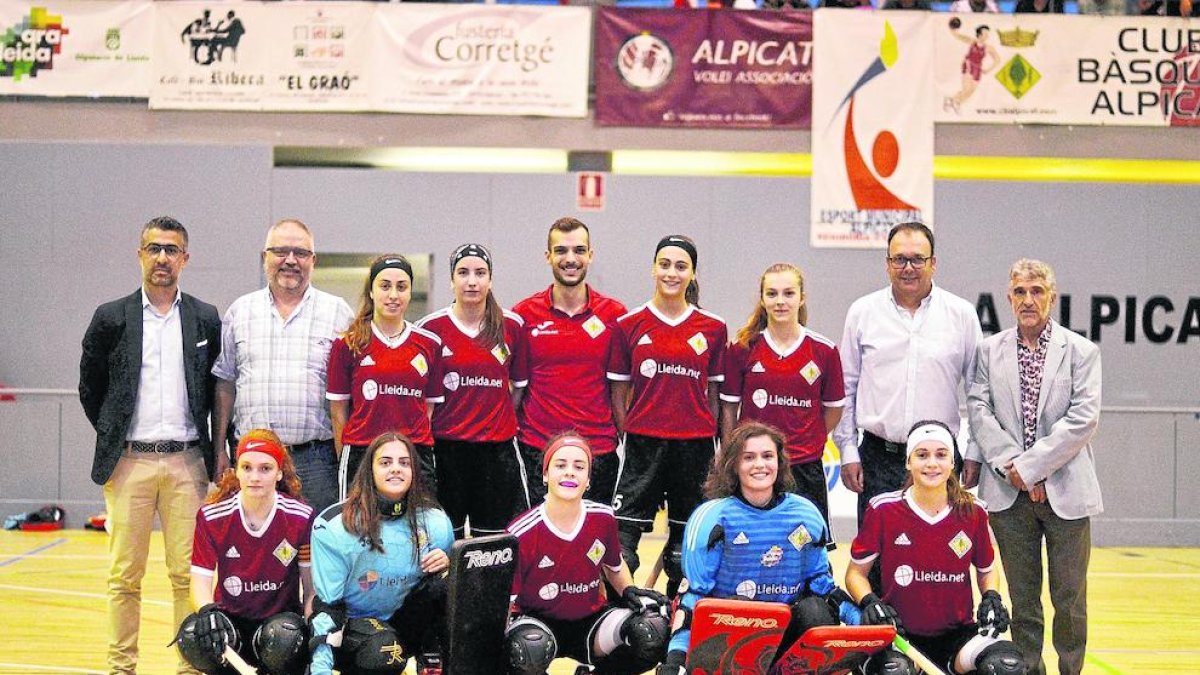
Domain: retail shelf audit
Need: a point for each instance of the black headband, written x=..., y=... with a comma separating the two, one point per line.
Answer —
x=468, y=250
x=678, y=241
x=391, y=263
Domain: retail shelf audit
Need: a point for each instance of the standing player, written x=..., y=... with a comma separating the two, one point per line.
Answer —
x=666, y=366
x=568, y=545
x=568, y=328
x=378, y=559
x=250, y=565
x=779, y=372
x=925, y=538
x=756, y=541
x=384, y=373
x=479, y=472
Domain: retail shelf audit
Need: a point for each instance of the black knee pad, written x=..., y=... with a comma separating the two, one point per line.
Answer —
x=890, y=662
x=192, y=648
x=1001, y=658
x=646, y=633
x=530, y=646
x=280, y=644
x=373, y=647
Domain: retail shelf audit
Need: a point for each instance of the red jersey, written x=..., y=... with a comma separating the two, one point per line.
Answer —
x=478, y=398
x=257, y=574
x=558, y=573
x=670, y=363
x=388, y=385
x=787, y=389
x=925, y=561
x=567, y=357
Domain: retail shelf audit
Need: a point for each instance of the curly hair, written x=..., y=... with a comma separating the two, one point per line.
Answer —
x=228, y=483
x=723, y=478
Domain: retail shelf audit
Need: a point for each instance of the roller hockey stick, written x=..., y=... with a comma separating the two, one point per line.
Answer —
x=917, y=657
x=239, y=664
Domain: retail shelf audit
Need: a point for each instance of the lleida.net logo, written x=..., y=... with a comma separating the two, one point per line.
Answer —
x=31, y=45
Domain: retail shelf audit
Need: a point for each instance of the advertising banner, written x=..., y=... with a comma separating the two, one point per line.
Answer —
x=319, y=56
x=211, y=56
x=76, y=48
x=481, y=59
x=1125, y=70
x=671, y=68
x=872, y=126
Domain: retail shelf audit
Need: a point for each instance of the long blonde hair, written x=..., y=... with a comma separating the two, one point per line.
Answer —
x=757, y=322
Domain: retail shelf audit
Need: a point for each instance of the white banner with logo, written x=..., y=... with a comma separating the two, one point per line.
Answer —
x=1123, y=70
x=75, y=47
x=872, y=125
x=482, y=59
x=319, y=55
x=212, y=56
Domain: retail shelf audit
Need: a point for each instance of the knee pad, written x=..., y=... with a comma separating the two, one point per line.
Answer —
x=1001, y=658
x=530, y=646
x=193, y=649
x=280, y=644
x=372, y=645
x=646, y=634
x=890, y=662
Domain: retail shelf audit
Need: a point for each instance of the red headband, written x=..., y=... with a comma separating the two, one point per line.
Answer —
x=266, y=446
x=565, y=442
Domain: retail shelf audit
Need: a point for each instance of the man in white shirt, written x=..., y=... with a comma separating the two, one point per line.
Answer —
x=274, y=361
x=908, y=351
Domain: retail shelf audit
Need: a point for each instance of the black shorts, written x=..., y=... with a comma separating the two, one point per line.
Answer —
x=943, y=648
x=662, y=468
x=483, y=482
x=574, y=637
x=603, y=481
x=810, y=484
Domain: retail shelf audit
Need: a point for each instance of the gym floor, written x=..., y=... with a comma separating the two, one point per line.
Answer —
x=1144, y=618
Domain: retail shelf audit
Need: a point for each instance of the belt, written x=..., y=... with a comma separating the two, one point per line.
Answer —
x=309, y=445
x=162, y=446
x=895, y=447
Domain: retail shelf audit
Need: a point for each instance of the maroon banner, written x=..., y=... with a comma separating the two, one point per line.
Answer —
x=744, y=69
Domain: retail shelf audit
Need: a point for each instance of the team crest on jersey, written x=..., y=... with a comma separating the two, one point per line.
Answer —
x=232, y=553
x=596, y=552
x=285, y=552
x=367, y=361
x=741, y=538
x=419, y=363
x=903, y=540
x=810, y=372
x=772, y=556
x=645, y=340
x=698, y=343
x=799, y=537
x=758, y=367
x=545, y=562
x=960, y=544
x=500, y=351
x=594, y=326
x=422, y=538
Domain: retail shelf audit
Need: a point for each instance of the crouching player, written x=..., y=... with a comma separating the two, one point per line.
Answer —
x=755, y=540
x=377, y=564
x=925, y=538
x=250, y=560
x=568, y=546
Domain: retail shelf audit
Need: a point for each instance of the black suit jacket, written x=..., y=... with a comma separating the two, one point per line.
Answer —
x=110, y=369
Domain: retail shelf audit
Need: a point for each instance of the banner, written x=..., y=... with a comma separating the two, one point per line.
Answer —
x=1124, y=70
x=318, y=56
x=872, y=126
x=75, y=48
x=211, y=56
x=672, y=68
x=481, y=59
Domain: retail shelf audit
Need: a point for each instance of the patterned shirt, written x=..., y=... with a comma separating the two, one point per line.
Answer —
x=1032, y=364
x=280, y=366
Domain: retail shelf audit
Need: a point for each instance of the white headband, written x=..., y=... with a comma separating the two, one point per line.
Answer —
x=928, y=432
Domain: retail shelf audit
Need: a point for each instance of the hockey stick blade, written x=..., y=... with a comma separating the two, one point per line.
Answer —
x=917, y=657
x=239, y=664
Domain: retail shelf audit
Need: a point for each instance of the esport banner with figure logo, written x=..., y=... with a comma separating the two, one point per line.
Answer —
x=481, y=59
x=75, y=48
x=671, y=68
x=872, y=126
x=319, y=55
x=211, y=56
x=1067, y=69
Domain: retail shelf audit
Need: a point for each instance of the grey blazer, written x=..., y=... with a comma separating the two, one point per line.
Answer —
x=1067, y=415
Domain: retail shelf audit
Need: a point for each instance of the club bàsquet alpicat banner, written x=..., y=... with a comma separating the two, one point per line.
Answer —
x=872, y=126
x=681, y=68
x=1053, y=69
x=481, y=59
x=95, y=48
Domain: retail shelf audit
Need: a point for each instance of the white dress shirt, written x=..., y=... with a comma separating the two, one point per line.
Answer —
x=901, y=368
x=161, y=412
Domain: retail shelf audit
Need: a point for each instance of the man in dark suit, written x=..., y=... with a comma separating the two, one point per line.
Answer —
x=146, y=386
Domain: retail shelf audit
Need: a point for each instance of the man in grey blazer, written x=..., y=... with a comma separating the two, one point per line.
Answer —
x=1034, y=406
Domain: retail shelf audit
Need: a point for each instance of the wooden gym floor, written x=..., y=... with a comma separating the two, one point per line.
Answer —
x=1144, y=614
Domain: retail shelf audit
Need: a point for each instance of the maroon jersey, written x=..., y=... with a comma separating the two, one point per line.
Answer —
x=387, y=385
x=558, y=573
x=478, y=398
x=670, y=364
x=787, y=389
x=567, y=357
x=925, y=561
x=256, y=574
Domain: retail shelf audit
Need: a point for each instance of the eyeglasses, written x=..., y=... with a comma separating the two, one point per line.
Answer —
x=282, y=252
x=899, y=262
x=171, y=250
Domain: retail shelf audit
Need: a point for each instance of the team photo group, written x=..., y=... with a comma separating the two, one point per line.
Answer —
x=353, y=450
